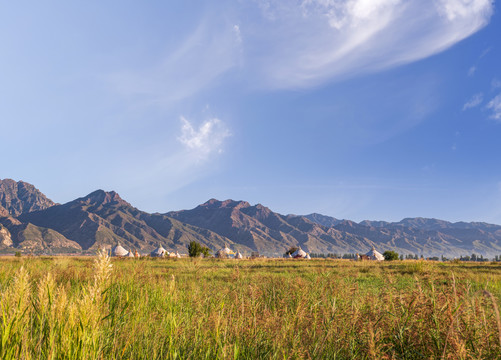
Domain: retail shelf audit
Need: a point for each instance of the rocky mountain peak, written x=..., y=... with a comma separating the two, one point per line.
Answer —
x=19, y=197
x=101, y=197
x=216, y=204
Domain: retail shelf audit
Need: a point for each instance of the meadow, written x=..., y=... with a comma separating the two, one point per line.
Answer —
x=101, y=308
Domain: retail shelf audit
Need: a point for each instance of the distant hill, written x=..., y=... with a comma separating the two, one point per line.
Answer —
x=33, y=223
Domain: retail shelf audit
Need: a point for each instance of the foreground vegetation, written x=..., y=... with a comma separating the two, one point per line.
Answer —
x=79, y=308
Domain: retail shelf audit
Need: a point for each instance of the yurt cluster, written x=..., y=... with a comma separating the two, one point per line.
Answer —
x=121, y=252
x=226, y=253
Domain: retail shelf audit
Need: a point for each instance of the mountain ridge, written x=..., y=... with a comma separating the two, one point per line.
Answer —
x=103, y=218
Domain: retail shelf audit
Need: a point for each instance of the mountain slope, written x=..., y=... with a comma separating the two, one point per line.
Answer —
x=104, y=219
x=32, y=238
x=323, y=219
x=259, y=228
x=20, y=197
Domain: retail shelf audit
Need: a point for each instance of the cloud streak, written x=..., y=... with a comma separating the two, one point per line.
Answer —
x=495, y=106
x=474, y=101
x=205, y=54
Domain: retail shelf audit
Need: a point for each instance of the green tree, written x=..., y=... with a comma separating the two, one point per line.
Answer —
x=390, y=255
x=195, y=249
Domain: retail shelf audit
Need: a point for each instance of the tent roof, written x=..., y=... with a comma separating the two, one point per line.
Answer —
x=160, y=251
x=226, y=250
x=299, y=253
x=375, y=255
x=118, y=251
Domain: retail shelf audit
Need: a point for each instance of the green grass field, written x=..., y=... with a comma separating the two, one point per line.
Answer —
x=80, y=308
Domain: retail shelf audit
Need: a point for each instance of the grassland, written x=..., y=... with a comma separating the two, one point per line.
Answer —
x=80, y=308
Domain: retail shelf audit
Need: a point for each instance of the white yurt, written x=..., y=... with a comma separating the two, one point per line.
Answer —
x=224, y=253
x=238, y=255
x=308, y=256
x=130, y=254
x=177, y=255
x=159, y=252
x=119, y=251
x=373, y=254
x=299, y=254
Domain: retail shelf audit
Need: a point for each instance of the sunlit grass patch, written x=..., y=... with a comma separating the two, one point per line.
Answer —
x=76, y=308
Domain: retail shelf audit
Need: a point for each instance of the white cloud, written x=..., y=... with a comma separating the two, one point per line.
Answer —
x=208, y=138
x=304, y=43
x=495, y=106
x=472, y=70
x=474, y=101
x=454, y=9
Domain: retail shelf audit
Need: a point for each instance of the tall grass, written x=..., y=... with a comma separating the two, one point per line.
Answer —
x=64, y=308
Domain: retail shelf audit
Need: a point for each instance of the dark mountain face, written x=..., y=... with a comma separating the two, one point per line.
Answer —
x=19, y=197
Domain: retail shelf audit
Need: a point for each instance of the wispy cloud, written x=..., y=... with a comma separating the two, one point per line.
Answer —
x=209, y=51
x=495, y=106
x=204, y=140
x=474, y=101
x=305, y=43
x=472, y=70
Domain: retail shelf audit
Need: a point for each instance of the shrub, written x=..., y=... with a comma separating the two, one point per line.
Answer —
x=195, y=249
x=390, y=255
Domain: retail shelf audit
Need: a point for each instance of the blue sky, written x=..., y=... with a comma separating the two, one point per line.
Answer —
x=359, y=109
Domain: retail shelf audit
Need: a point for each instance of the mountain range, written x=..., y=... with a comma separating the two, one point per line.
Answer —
x=32, y=223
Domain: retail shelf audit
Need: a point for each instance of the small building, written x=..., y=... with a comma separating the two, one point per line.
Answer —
x=238, y=255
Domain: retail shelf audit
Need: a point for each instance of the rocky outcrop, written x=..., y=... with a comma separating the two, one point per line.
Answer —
x=19, y=197
x=5, y=238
